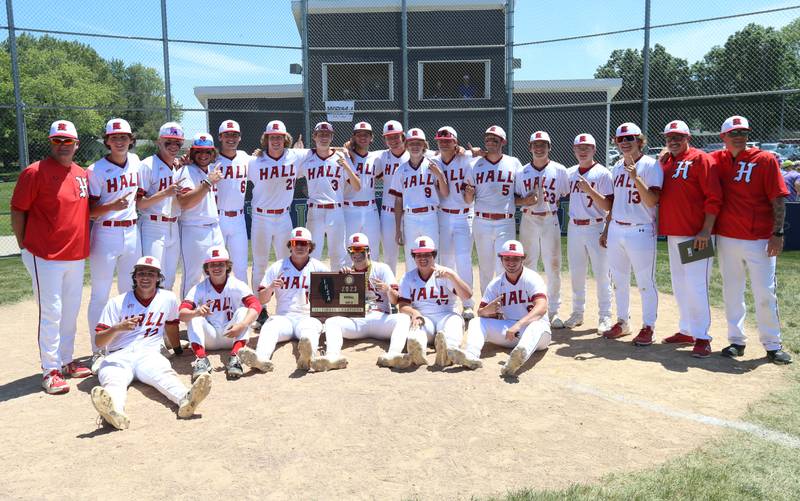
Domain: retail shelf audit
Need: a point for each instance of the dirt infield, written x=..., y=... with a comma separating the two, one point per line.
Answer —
x=583, y=408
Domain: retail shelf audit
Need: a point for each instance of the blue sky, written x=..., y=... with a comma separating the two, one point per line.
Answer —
x=271, y=22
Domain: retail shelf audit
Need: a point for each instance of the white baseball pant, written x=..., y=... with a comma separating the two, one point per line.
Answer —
x=271, y=230
x=736, y=258
x=583, y=241
x=455, y=246
x=633, y=245
x=375, y=324
x=120, y=368
x=160, y=239
x=451, y=324
x=234, y=234
x=330, y=223
x=388, y=241
x=490, y=235
x=280, y=328
x=363, y=220
x=211, y=337
x=417, y=225
x=690, y=289
x=57, y=288
x=195, y=242
x=541, y=235
x=111, y=248
x=534, y=337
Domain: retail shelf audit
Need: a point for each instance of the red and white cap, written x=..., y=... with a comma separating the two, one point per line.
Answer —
x=276, y=127
x=300, y=234
x=203, y=141
x=512, y=248
x=323, y=126
x=63, y=128
x=362, y=126
x=171, y=130
x=358, y=240
x=540, y=135
x=423, y=244
x=415, y=134
x=148, y=261
x=217, y=254
x=117, y=126
x=628, y=129
x=733, y=123
x=584, y=139
x=446, y=132
x=392, y=127
x=677, y=127
x=497, y=131
x=229, y=126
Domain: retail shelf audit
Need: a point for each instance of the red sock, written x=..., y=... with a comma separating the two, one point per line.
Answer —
x=238, y=345
x=199, y=351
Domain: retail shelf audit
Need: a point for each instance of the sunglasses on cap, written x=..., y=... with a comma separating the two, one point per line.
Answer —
x=739, y=133
x=627, y=139
x=66, y=141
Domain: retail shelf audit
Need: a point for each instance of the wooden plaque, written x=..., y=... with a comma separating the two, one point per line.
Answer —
x=335, y=294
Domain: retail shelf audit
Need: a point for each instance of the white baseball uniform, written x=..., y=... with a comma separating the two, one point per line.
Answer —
x=114, y=242
x=326, y=181
x=387, y=163
x=360, y=212
x=229, y=192
x=435, y=299
x=158, y=224
x=228, y=306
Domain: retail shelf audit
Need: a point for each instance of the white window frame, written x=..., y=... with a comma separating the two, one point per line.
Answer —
x=487, y=90
x=391, y=79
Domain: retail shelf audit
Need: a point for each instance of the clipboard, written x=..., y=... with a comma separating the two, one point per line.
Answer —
x=689, y=254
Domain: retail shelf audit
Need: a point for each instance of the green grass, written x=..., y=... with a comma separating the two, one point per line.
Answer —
x=6, y=190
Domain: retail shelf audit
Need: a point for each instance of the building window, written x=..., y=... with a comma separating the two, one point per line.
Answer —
x=454, y=80
x=357, y=81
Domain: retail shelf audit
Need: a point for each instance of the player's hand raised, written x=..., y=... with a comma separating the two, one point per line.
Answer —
x=380, y=285
x=299, y=143
x=442, y=271
x=630, y=168
x=468, y=189
x=215, y=175
x=202, y=311
x=434, y=166
x=120, y=203
x=476, y=152
x=277, y=283
x=126, y=325
x=583, y=184
x=494, y=307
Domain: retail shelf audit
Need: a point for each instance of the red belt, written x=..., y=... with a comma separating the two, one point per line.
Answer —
x=365, y=203
x=546, y=213
x=163, y=218
x=623, y=223
x=586, y=222
x=324, y=206
x=420, y=210
x=387, y=208
x=232, y=213
x=454, y=211
x=493, y=216
x=271, y=211
x=125, y=224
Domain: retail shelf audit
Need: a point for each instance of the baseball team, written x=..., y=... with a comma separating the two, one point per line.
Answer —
x=147, y=216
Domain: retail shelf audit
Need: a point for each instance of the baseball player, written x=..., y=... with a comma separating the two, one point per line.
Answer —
x=416, y=187
x=591, y=190
x=690, y=201
x=360, y=212
x=115, y=244
x=491, y=185
x=50, y=219
x=749, y=236
x=218, y=312
x=289, y=280
x=511, y=314
x=630, y=235
x=539, y=229
x=158, y=207
x=132, y=328
x=229, y=193
x=386, y=164
x=455, y=214
x=327, y=174
x=379, y=322
x=428, y=296
x=199, y=219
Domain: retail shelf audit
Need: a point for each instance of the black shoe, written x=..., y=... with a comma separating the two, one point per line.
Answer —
x=234, y=368
x=261, y=320
x=779, y=357
x=734, y=350
x=200, y=366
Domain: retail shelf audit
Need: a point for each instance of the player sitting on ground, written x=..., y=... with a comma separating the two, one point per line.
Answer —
x=132, y=327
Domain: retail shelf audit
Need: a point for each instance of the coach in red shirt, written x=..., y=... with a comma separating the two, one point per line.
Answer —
x=750, y=236
x=50, y=218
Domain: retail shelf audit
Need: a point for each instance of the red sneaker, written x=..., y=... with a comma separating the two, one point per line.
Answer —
x=702, y=348
x=54, y=384
x=621, y=328
x=679, y=338
x=645, y=337
x=76, y=370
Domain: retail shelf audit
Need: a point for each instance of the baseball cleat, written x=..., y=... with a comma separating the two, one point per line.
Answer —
x=396, y=361
x=645, y=337
x=556, y=323
x=679, y=338
x=76, y=370
x=734, y=350
x=261, y=320
x=620, y=329
x=416, y=352
x=574, y=320
x=304, y=358
x=464, y=359
x=104, y=406
x=467, y=314
x=518, y=357
x=234, y=369
x=442, y=359
x=197, y=393
x=779, y=357
x=249, y=358
x=54, y=383
x=702, y=348
x=199, y=367
x=604, y=325
x=97, y=360
x=326, y=363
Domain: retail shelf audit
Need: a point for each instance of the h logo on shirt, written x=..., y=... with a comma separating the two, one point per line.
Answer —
x=744, y=172
x=682, y=170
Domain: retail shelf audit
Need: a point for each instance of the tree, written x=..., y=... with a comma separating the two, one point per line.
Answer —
x=669, y=75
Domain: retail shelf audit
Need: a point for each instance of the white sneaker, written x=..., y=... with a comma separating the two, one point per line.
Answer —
x=304, y=359
x=574, y=320
x=326, y=363
x=442, y=359
x=97, y=360
x=395, y=361
x=104, y=406
x=460, y=357
x=518, y=357
x=416, y=352
x=248, y=357
x=556, y=323
x=605, y=325
x=197, y=393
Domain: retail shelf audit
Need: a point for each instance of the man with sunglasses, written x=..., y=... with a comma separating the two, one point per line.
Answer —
x=50, y=219
x=749, y=231
x=690, y=201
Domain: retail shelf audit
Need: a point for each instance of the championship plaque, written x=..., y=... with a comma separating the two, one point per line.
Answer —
x=335, y=294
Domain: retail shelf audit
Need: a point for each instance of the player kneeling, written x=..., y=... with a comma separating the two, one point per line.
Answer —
x=132, y=327
x=513, y=313
x=428, y=295
x=218, y=312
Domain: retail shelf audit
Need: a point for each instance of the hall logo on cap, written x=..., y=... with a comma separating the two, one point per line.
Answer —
x=298, y=233
x=414, y=133
x=356, y=239
x=148, y=260
x=673, y=125
x=512, y=247
x=493, y=128
x=274, y=126
x=230, y=125
x=538, y=135
x=737, y=121
x=582, y=139
x=202, y=138
x=624, y=128
x=62, y=126
x=215, y=253
x=422, y=243
x=116, y=126
x=390, y=127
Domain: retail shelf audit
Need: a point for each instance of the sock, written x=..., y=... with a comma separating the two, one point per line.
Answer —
x=238, y=345
x=199, y=351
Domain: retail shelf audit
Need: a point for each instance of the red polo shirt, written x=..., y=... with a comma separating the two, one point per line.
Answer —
x=691, y=190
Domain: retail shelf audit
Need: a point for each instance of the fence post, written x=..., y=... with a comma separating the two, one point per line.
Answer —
x=510, y=74
x=404, y=55
x=646, y=69
x=165, y=45
x=306, y=70
x=22, y=136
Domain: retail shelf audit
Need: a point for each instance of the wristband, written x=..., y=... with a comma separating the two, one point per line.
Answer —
x=206, y=182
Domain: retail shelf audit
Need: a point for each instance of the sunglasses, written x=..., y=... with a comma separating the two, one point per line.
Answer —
x=675, y=138
x=59, y=141
x=739, y=133
x=627, y=139
x=173, y=143
x=420, y=255
x=296, y=243
x=146, y=274
x=357, y=250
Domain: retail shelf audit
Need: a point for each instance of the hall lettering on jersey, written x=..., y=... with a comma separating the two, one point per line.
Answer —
x=515, y=297
x=164, y=182
x=494, y=176
x=148, y=320
x=219, y=305
x=453, y=175
x=682, y=170
x=298, y=282
x=432, y=292
x=276, y=171
x=624, y=181
x=364, y=168
x=121, y=182
x=237, y=171
x=418, y=180
x=547, y=184
x=577, y=189
x=744, y=172
x=389, y=169
x=324, y=170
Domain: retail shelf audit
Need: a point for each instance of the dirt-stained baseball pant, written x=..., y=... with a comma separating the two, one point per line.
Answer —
x=330, y=223
x=451, y=324
x=212, y=337
x=633, y=245
x=362, y=220
x=690, y=289
x=737, y=257
x=417, y=225
x=375, y=324
x=455, y=246
x=234, y=233
x=195, y=242
x=388, y=241
x=57, y=288
x=541, y=236
x=120, y=368
x=490, y=235
x=534, y=337
x=111, y=248
x=280, y=328
x=583, y=244
x=267, y=231
x=161, y=239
